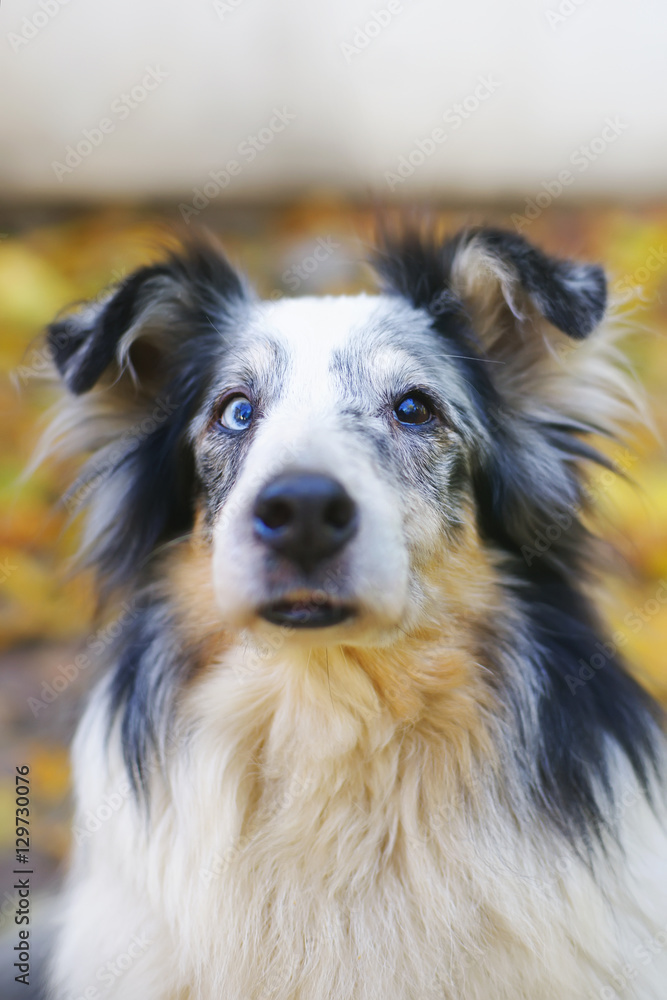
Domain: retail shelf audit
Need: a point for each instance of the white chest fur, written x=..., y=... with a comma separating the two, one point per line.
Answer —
x=300, y=849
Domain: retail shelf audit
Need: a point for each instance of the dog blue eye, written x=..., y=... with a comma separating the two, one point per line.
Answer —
x=413, y=410
x=237, y=414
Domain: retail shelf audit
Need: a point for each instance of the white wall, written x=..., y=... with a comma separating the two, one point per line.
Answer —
x=355, y=115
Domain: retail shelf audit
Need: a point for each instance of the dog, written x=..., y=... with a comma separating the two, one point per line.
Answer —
x=363, y=733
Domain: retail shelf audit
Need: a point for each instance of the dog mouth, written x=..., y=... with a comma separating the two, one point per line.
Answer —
x=305, y=614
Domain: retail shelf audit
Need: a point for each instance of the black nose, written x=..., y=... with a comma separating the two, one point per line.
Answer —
x=305, y=517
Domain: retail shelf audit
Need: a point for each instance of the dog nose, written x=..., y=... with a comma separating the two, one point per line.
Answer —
x=305, y=517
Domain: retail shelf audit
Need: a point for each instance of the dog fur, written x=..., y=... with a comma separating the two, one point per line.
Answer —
x=422, y=800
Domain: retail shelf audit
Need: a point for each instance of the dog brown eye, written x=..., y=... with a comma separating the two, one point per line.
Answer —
x=413, y=409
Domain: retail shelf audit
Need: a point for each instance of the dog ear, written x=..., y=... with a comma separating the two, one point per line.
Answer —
x=84, y=344
x=537, y=318
x=142, y=318
x=136, y=364
x=507, y=286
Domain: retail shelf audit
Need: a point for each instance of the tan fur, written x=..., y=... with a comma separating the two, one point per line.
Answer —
x=433, y=677
x=188, y=580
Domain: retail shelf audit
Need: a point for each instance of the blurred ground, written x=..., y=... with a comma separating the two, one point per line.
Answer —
x=50, y=258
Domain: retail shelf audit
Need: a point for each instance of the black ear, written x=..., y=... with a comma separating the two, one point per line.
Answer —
x=191, y=285
x=497, y=276
x=570, y=295
x=85, y=343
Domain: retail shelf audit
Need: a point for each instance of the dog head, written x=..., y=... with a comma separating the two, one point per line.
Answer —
x=337, y=454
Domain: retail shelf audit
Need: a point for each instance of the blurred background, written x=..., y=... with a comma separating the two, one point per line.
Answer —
x=282, y=128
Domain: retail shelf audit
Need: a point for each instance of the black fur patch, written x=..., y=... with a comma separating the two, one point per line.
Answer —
x=415, y=265
x=162, y=486
x=569, y=767
x=570, y=295
x=82, y=353
x=157, y=470
x=577, y=719
x=149, y=666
